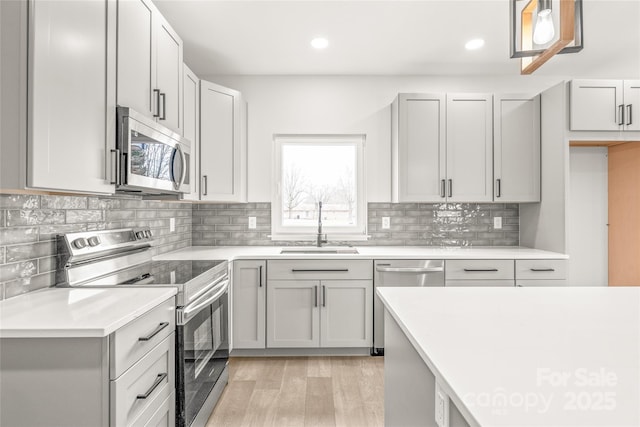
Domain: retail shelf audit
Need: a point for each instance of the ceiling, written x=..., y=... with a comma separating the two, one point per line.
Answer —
x=422, y=37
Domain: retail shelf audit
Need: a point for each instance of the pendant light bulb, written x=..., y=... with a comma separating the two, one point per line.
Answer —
x=544, y=31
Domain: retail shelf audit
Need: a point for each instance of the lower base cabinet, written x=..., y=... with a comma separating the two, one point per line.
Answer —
x=319, y=313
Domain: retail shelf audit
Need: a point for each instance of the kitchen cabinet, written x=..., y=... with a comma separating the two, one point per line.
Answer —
x=249, y=299
x=222, y=144
x=125, y=378
x=516, y=148
x=58, y=95
x=442, y=148
x=319, y=303
x=492, y=272
x=191, y=121
x=540, y=272
x=605, y=105
x=150, y=66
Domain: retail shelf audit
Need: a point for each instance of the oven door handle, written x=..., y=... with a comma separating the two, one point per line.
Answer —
x=205, y=300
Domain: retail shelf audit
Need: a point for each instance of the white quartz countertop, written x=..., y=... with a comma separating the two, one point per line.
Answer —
x=529, y=356
x=364, y=252
x=76, y=312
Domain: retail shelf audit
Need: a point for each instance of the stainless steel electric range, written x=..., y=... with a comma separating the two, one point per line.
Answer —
x=124, y=258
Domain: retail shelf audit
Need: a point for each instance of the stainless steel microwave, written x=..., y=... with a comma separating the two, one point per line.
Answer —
x=150, y=158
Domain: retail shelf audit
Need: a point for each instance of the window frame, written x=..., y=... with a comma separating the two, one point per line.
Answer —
x=282, y=232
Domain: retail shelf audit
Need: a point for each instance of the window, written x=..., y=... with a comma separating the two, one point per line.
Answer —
x=319, y=168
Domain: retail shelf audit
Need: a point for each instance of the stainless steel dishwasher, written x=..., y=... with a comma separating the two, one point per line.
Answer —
x=400, y=273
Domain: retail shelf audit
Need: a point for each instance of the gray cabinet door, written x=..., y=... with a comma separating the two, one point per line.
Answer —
x=248, y=312
x=169, y=75
x=516, y=149
x=346, y=316
x=71, y=52
x=596, y=105
x=137, y=56
x=419, y=148
x=469, y=147
x=221, y=162
x=293, y=314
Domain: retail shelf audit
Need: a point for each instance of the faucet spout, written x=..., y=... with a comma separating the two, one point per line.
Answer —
x=319, y=239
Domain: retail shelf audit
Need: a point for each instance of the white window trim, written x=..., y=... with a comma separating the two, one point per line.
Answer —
x=279, y=232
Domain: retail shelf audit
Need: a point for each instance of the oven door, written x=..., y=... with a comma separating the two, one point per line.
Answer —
x=153, y=160
x=202, y=351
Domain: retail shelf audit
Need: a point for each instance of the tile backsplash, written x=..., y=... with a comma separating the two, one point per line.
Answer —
x=412, y=224
x=29, y=225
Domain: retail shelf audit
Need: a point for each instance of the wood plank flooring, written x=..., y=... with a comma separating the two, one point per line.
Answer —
x=302, y=391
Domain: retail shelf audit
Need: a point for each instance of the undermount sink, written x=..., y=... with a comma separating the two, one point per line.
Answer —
x=323, y=250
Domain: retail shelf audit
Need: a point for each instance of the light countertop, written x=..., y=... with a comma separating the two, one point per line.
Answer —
x=364, y=252
x=76, y=312
x=559, y=356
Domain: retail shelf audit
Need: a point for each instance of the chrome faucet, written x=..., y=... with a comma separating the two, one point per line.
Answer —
x=319, y=239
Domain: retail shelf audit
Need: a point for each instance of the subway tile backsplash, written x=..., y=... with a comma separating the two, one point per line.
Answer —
x=29, y=225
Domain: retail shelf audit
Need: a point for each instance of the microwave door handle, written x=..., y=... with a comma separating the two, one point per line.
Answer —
x=184, y=166
x=178, y=182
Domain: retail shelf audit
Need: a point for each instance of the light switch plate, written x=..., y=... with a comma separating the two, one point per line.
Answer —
x=497, y=222
x=172, y=225
x=386, y=222
x=252, y=222
x=442, y=407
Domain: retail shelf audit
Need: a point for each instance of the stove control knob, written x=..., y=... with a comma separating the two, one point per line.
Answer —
x=79, y=243
x=94, y=241
x=140, y=234
x=147, y=233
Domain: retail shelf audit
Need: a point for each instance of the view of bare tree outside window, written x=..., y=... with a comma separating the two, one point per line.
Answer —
x=313, y=173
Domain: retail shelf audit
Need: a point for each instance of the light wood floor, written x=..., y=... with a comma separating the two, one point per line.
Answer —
x=302, y=391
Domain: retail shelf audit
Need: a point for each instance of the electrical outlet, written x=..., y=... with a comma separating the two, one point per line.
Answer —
x=173, y=276
x=386, y=222
x=442, y=407
x=252, y=222
x=172, y=225
x=497, y=222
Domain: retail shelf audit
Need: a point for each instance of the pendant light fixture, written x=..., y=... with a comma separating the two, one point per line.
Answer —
x=541, y=29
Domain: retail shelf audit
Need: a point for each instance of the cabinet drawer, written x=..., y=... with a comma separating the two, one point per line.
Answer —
x=547, y=269
x=149, y=379
x=320, y=269
x=129, y=343
x=470, y=283
x=160, y=413
x=496, y=269
x=540, y=283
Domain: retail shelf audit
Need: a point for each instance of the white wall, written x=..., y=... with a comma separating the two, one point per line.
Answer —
x=588, y=216
x=343, y=104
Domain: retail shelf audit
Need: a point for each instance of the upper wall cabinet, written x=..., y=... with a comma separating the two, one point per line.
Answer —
x=442, y=148
x=149, y=63
x=222, y=144
x=58, y=107
x=516, y=148
x=605, y=105
x=191, y=120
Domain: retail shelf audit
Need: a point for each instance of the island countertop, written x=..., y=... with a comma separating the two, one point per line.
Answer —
x=528, y=356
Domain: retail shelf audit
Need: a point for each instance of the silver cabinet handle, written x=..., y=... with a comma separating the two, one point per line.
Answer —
x=315, y=296
x=260, y=276
x=542, y=269
x=443, y=191
x=417, y=270
x=475, y=270
x=629, y=114
x=116, y=179
x=620, y=114
x=155, y=332
x=205, y=186
x=336, y=270
x=157, y=94
x=324, y=296
x=154, y=386
x=450, y=188
x=498, y=187
x=164, y=107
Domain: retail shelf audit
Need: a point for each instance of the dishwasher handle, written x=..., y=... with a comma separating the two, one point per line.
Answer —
x=414, y=270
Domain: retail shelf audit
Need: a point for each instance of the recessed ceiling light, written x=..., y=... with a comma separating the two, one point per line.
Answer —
x=319, y=43
x=474, y=44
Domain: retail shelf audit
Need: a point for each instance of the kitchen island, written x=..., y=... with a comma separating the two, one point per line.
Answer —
x=512, y=356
